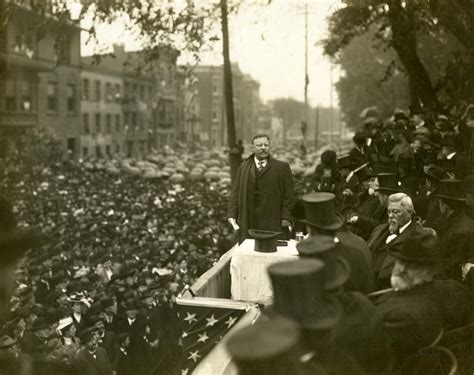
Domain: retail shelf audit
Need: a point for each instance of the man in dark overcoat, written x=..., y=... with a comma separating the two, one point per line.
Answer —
x=91, y=360
x=262, y=196
x=388, y=238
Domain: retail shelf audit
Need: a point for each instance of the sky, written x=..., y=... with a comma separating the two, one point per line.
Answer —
x=268, y=42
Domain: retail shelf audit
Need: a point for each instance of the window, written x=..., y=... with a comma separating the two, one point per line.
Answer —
x=129, y=149
x=215, y=84
x=26, y=103
x=71, y=98
x=142, y=92
x=52, y=97
x=85, y=89
x=126, y=90
x=117, y=149
x=108, y=123
x=85, y=151
x=117, y=123
x=97, y=91
x=85, y=123
x=108, y=93
x=97, y=123
x=134, y=119
x=10, y=103
x=126, y=119
x=107, y=150
x=142, y=147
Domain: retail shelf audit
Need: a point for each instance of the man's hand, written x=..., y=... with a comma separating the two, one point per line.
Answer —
x=347, y=192
x=233, y=222
x=285, y=223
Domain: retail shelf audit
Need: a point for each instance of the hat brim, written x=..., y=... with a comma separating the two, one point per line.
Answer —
x=341, y=275
x=333, y=226
x=451, y=198
x=259, y=234
x=416, y=259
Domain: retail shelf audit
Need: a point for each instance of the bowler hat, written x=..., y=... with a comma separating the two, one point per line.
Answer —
x=86, y=335
x=419, y=247
x=451, y=189
x=265, y=240
x=388, y=182
x=269, y=346
x=298, y=294
x=321, y=247
x=6, y=341
x=320, y=211
x=40, y=323
x=359, y=138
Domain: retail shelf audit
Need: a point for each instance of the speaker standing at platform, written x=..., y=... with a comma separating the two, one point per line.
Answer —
x=262, y=196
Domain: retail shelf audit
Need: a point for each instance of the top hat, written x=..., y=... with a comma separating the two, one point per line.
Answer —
x=434, y=172
x=329, y=158
x=298, y=294
x=320, y=211
x=269, y=346
x=344, y=161
x=265, y=240
x=419, y=247
x=321, y=247
x=451, y=189
x=6, y=342
x=388, y=182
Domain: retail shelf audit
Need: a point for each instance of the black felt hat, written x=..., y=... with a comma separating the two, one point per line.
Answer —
x=298, y=293
x=388, y=182
x=336, y=270
x=434, y=172
x=265, y=240
x=270, y=346
x=320, y=211
x=419, y=247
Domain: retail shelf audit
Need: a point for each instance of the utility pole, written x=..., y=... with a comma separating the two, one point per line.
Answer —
x=228, y=93
x=306, y=78
x=331, y=108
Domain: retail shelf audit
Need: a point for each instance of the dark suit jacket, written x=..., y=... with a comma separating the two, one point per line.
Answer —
x=361, y=333
x=383, y=260
x=413, y=318
x=84, y=363
x=358, y=158
x=356, y=252
x=371, y=213
x=274, y=201
x=124, y=364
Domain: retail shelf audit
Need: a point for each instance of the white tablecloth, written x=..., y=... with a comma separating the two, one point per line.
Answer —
x=248, y=270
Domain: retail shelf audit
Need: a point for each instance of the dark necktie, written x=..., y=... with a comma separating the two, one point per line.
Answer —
x=260, y=166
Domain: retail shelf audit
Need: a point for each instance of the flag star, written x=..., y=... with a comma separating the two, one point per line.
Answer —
x=211, y=321
x=230, y=322
x=194, y=356
x=185, y=334
x=190, y=318
x=184, y=371
x=203, y=338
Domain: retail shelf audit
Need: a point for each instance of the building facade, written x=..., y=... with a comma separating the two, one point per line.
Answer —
x=39, y=84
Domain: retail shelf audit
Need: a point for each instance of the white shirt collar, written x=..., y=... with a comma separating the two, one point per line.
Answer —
x=451, y=155
x=404, y=227
x=263, y=161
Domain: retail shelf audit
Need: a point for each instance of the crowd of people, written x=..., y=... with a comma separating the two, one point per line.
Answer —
x=383, y=283
x=99, y=295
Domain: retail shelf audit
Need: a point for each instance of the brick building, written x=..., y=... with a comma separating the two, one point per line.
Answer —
x=35, y=91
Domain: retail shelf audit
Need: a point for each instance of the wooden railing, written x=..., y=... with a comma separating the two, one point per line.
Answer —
x=215, y=283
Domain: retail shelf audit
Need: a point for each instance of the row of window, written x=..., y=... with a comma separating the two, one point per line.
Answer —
x=53, y=98
x=111, y=122
x=107, y=151
x=113, y=92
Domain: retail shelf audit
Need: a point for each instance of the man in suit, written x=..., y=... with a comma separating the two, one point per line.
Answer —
x=360, y=154
x=262, y=196
x=419, y=308
x=360, y=332
x=92, y=359
x=321, y=219
x=388, y=238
